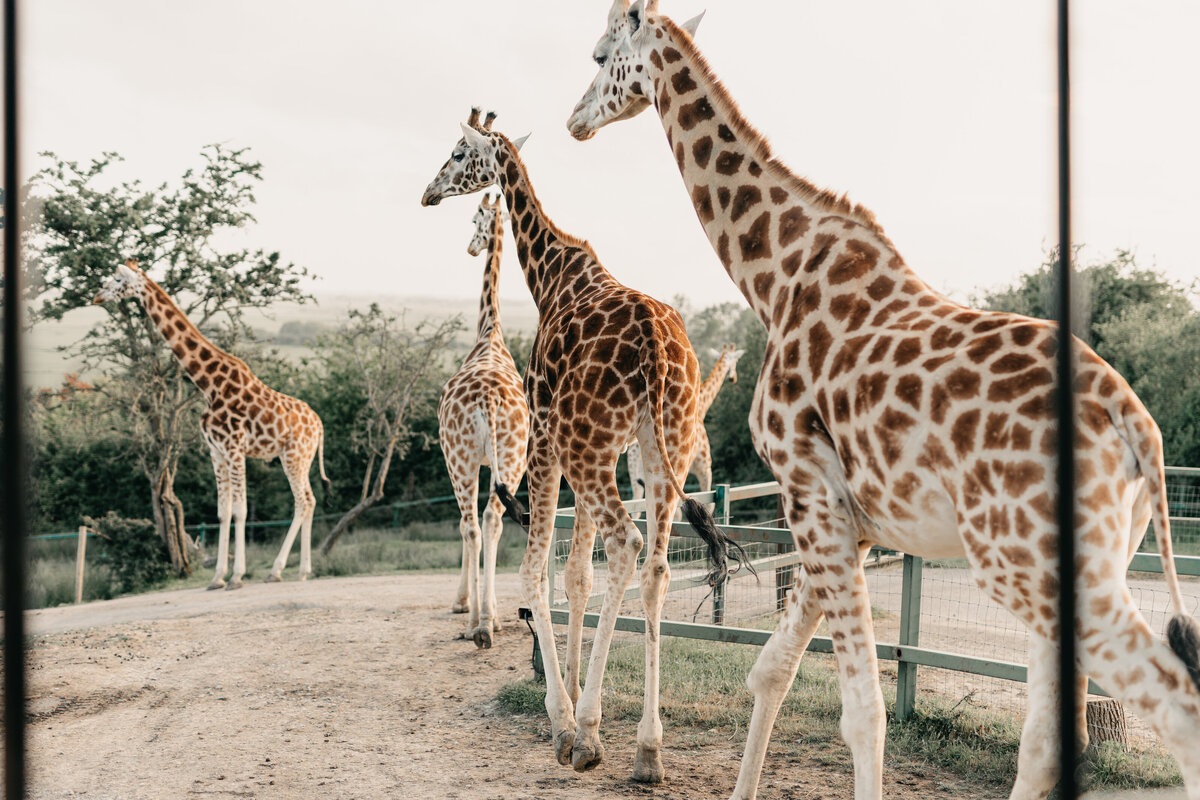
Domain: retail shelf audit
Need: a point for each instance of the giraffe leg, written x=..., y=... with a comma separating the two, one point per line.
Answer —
x=224, y=508
x=579, y=588
x=637, y=474
x=656, y=575
x=462, y=602
x=238, y=480
x=622, y=543
x=493, y=526
x=304, y=503
x=543, y=499
x=466, y=484
x=772, y=676
x=1037, y=760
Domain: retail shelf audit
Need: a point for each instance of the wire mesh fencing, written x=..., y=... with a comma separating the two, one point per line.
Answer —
x=962, y=651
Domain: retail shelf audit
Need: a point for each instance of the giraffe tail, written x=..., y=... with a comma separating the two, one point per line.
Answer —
x=512, y=506
x=321, y=461
x=1183, y=635
x=654, y=373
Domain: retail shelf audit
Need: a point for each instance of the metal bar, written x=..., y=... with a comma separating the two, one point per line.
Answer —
x=1065, y=408
x=1152, y=562
x=910, y=633
x=12, y=427
x=721, y=496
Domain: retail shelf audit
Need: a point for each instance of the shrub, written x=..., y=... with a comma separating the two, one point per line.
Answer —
x=133, y=550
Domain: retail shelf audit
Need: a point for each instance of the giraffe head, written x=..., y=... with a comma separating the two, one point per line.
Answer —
x=127, y=281
x=472, y=162
x=622, y=88
x=731, y=353
x=485, y=222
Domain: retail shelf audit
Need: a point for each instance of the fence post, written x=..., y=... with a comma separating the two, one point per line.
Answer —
x=721, y=503
x=910, y=632
x=395, y=515
x=79, y=562
x=784, y=576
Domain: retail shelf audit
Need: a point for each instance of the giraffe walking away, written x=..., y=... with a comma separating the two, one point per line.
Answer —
x=608, y=364
x=893, y=416
x=701, y=464
x=245, y=418
x=483, y=421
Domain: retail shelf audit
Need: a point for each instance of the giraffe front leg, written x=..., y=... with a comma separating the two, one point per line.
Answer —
x=579, y=576
x=238, y=475
x=224, y=509
x=461, y=604
x=543, y=498
x=489, y=622
x=622, y=543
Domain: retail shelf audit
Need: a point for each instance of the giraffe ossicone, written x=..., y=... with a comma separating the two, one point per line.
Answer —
x=608, y=364
x=483, y=420
x=244, y=418
x=891, y=415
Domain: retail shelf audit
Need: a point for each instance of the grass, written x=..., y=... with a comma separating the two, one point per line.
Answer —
x=705, y=702
x=424, y=546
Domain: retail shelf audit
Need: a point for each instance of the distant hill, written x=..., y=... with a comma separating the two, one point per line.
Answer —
x=289, y=327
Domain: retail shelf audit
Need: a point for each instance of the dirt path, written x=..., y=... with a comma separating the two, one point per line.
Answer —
x=340, y=688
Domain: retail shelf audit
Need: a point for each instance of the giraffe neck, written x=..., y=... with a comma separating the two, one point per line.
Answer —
x=551, y=259
x=206, y=364
x=711, y=387
x=775, y=233
x=489, y=301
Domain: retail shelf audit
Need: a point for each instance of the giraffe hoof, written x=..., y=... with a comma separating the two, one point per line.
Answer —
x=482, y=637
x=648, y=767
x=273, y=578
x=459, y=608
x=234, y=584
x=305, y=575
x=563, y=743
x=587, y=756
x=216, y=584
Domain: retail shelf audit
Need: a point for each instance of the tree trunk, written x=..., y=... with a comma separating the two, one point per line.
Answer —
x=368, y=500
x=1106, y=722
x=168, y=517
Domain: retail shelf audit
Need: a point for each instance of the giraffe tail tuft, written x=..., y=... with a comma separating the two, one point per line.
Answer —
x=514, y=507
x=720, y=547
x=1183, y=636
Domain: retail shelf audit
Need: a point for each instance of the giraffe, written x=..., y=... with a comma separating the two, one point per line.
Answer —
x=483, y=420
x=891, y=415
x=608, y=364
x=244, y=418
x=701, y=465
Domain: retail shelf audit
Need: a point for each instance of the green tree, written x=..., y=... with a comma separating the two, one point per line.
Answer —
x=400, y=374
x=86, y=227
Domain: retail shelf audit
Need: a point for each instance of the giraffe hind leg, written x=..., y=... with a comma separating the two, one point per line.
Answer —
x=221, y=470
x=304, y=505
x=238, y=474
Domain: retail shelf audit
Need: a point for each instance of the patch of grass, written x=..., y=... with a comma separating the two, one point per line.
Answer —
x=705, y=701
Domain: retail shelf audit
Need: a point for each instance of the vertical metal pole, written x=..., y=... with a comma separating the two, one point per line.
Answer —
x=910, y=636
x=721, y=501
x=12, y=450
x=784, y=576
x=1065, y=402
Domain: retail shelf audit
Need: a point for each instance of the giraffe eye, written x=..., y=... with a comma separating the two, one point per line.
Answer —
x=602, y=60
x=459, y=156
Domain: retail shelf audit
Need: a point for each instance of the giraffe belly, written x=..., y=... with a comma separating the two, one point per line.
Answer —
x=932, y=532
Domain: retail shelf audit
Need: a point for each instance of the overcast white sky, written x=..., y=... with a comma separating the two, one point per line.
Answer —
x=936, y=114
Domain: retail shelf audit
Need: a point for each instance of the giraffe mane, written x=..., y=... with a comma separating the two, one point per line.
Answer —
x=566, y=238
x=825, y=199
x=211, y=343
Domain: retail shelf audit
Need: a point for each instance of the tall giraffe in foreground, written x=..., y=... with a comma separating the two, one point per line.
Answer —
x=608, y=364
x=701, y=464
x=893, y=416
x=483, y=420
x=244, y=418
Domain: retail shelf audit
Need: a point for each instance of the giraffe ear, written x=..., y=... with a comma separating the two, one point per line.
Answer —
x=693, y=23
x=475, y=139
x=736, y=354
x=635, y=15
x=519, y=143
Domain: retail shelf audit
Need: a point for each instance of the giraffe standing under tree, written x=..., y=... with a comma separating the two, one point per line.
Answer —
x=608, y=364
x=483, y=420
x=245, y=418
x=701, y=466
x=893, y=416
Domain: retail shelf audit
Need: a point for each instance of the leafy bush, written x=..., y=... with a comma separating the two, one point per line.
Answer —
x=133, y=550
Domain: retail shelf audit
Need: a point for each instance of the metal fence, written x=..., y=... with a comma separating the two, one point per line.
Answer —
x=929, y=616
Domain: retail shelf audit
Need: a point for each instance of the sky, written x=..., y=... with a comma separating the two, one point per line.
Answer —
x=938, y=115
